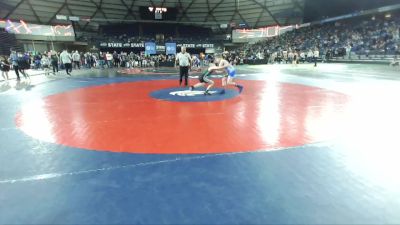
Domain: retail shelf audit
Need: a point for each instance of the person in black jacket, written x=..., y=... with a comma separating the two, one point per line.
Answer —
x=23, y=64
x=54, y=61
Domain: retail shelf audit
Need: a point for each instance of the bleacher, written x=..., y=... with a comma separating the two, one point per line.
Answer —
x=372, y=58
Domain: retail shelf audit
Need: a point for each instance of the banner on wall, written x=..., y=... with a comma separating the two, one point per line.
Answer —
x=32, y=32
x=24, y=28
x=142, y=45
x=170, y=48
x=196, y=45
x=150, y=48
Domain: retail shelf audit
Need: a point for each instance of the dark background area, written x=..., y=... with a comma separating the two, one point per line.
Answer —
x=319, y=9
x=152, y=29
x=8, y=41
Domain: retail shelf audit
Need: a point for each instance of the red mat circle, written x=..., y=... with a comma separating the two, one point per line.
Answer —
x=122, y=117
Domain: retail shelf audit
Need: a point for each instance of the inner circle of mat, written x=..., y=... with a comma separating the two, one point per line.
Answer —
x=183, y=94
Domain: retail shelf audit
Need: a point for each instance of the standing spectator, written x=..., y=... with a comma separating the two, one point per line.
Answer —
x=76, y=57
x=116, y=59
x=290, y=57
x=102, y=60
x=96, y=59
x=302, y=57
x=296, y=58
x=310, y=55
x=45, y=64
x=184, y=61
x=157, y=62
x=54, y=61
x=92, y=60
x=316, y=56
x=82, y=55
x=348, y=51
x=5, y=68
x=66, y=59
x=285, y=56
x=37, y=58
x=23, y=63
x=323, y=55
x=109, y=59
x=87, y=60
x=14, y=61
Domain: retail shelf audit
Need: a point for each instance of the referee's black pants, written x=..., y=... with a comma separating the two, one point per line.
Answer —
x=183, y=72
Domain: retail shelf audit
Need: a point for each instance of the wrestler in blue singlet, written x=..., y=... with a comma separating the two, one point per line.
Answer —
x=231, y=71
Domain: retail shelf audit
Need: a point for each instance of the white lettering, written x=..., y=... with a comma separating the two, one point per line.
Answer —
x=189, y=93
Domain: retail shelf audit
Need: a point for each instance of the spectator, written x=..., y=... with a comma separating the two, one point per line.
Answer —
x=54, y=61
x=66, y=59
x=77, y=60
x=45, y=62
x=14, y=60
x=5, y=68
x=109, y=59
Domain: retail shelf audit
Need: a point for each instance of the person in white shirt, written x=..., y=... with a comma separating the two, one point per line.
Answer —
x=66, y=59
x=76, y=57
x=315, y=56
x=310, y=56
x=302, y=57
x=285, y=56
x=348, y=51
x=290, y=57
x=184, y=60
x=45, y=62
x=273, y=57
x=109, y=59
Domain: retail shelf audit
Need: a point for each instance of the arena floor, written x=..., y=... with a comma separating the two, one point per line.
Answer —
x=300, y=145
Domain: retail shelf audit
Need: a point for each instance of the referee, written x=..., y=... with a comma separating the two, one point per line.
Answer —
x=184, y=60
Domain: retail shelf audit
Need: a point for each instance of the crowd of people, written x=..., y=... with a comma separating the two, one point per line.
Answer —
x=20, y=62
x=130, y=60
x=361, y=37
x=52, y=62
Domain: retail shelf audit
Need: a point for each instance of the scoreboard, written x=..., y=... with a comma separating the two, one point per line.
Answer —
x=158, y=13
